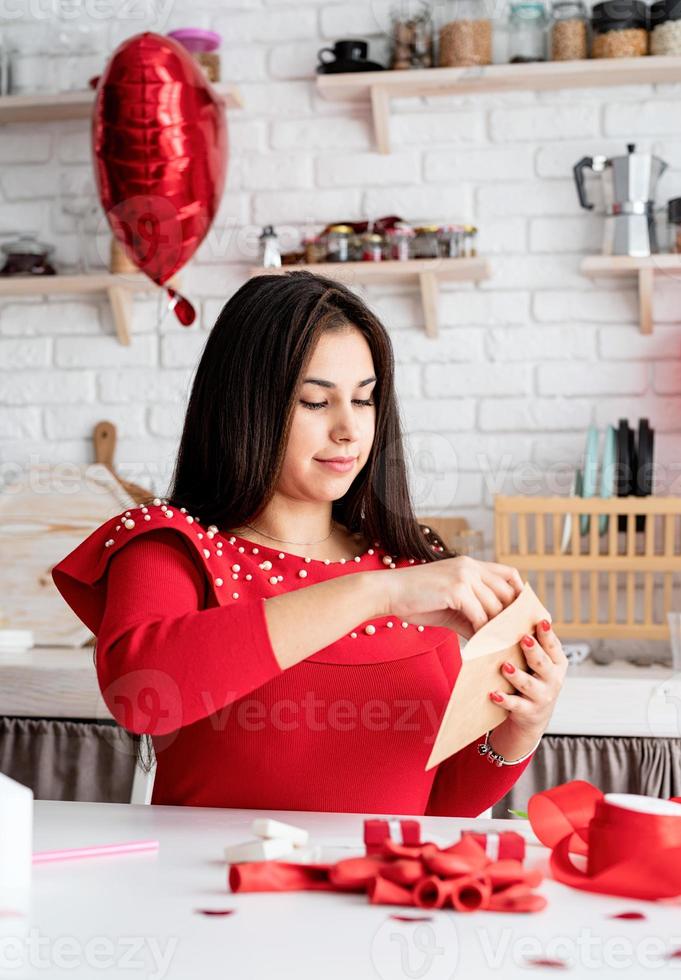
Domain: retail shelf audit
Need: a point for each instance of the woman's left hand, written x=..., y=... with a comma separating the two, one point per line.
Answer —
x=532, y=704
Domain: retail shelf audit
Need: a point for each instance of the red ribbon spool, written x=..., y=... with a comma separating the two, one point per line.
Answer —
x=632, y=843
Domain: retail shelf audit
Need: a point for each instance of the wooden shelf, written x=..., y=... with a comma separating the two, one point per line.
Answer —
x=645, y=268
x=44, y=107
x=428, y=273
x=118, y=288
x=378, y=87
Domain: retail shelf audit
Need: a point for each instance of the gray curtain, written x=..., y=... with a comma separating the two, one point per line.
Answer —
x=68, y=760
x=650, y=766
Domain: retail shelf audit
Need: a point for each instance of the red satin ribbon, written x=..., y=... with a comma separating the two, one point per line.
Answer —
x=461, y=877
x=637, y=855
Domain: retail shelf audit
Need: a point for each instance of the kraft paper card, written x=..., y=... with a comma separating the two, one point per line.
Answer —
x=470, y=713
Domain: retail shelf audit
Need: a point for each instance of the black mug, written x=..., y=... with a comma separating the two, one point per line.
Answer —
x=348, y=50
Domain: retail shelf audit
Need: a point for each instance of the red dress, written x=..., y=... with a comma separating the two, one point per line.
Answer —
x=183, y=653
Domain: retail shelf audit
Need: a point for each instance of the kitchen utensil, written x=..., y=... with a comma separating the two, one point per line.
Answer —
x=27, y=256
x=629, y=183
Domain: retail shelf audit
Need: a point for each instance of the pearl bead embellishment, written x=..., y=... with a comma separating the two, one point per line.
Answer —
x=405, y=625
x=302, y=573
x=370, y=629
x=218, y=581
x=206, y=552
x=235, y=595
x=274, y=580
x=236, y=568
x=389, y=624
x=387, y=559
x=266, y=565
x=354, y=636
x=129, y=523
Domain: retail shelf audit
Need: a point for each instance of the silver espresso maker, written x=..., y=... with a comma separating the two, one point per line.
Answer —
x=629, y=184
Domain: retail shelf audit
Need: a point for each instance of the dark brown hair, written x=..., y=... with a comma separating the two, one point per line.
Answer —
x=241, y=406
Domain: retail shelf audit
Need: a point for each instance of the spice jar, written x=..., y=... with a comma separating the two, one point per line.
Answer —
x=400, y=242
x=470, y=237
x=412, y=38
x=450, y=241
x=313, y=246
x=619, y=29
x=665, y=27
x=372, y=247
x=425, y=242
x=674, y=224
x=338, y=243
x=203, y=46
x=569, y=31
x=466, y=37
x=527, y=24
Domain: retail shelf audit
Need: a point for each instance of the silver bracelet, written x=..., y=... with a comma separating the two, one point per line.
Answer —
x=497, y=759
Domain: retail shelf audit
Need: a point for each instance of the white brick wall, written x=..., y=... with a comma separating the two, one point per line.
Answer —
x=525, y=361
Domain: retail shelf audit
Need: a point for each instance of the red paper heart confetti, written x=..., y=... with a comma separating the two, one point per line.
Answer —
x=411, y=918
x=214, y=911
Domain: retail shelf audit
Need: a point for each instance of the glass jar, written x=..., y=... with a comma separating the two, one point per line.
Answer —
x=425, y=242
x=665, y=27
x=372, y=247
x=412, y=41
x=619, y=29
x=400, y=242
x=674, y=224
x=338, y=243
x=450, y=241
x=527, y=27
x=313, y=246
x=466, y=35
x=569, y=31
x=470, y=239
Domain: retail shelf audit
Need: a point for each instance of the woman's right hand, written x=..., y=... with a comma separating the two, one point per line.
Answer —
x=460, y=593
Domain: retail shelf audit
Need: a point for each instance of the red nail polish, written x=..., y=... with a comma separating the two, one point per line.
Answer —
x=527, y=641
x=545, y=625
x=509, y=668
x=496, y=697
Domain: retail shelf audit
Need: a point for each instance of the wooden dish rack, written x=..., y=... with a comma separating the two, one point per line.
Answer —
x=616, y=584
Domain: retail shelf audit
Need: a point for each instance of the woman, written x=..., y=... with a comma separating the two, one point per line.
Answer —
x=281, y=625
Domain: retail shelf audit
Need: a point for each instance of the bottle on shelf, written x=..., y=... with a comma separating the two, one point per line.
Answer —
x=527, y=31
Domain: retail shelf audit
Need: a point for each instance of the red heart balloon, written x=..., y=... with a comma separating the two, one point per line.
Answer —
x=159, y=138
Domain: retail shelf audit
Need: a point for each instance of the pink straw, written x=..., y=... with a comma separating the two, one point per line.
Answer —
x=97, y=850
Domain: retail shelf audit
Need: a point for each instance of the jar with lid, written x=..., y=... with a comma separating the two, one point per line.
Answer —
x=412, y=35
x=450, y=241
x=372, y=247
x=466, y=34
x=665, y=27
x=400, y=242
x=425, y=242
x=527, y=28
x=569, y=30
x=620, y=29
x=338, y=243
x=674, y=224
x=470, y=237
x=313, y=246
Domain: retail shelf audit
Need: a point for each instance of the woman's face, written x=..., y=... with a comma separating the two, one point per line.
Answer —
x=336, y=418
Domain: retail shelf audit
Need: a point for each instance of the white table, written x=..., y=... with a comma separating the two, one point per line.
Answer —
x=98, y=917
